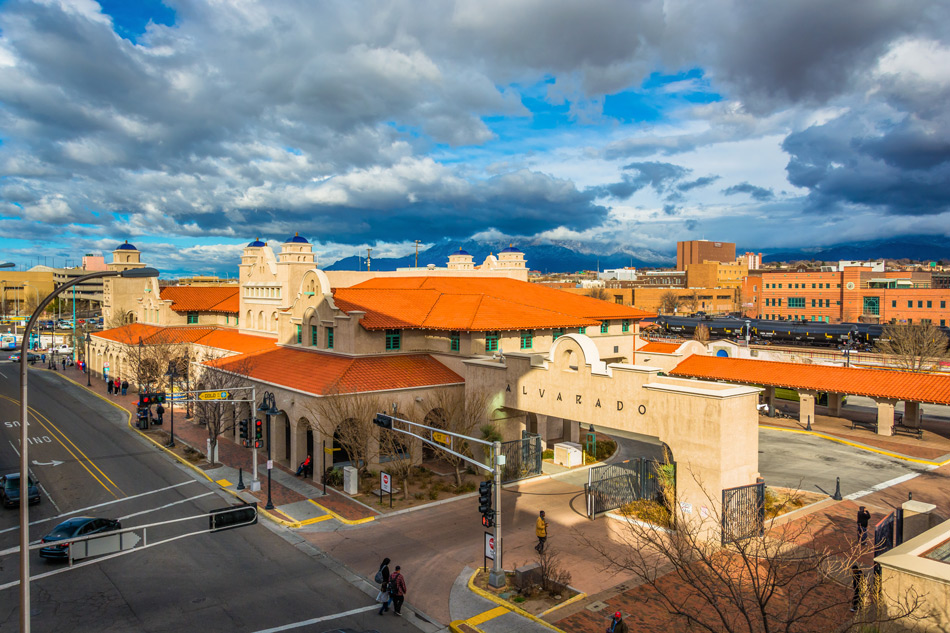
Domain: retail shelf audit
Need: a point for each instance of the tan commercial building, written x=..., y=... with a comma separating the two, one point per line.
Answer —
x=699, y=251
x=711, y=274
x=546, y=361
x=21, y=291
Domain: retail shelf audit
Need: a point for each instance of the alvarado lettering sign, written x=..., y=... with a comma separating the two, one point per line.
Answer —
x=578, y=399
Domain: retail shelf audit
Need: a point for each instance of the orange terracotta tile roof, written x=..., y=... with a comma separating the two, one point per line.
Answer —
x=220, y=338
x=659, y=348
x=464, y=303
x=222, y=299
x=873, y=383
x=323, y=374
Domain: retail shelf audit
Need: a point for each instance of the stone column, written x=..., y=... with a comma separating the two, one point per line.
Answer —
x=835, y=403
x=297, y=447
x=885, y=415
x=573, y=431
x=770, y=400
x=806, y=408
x=912, y=414
x=918, y=518
x=543, y=430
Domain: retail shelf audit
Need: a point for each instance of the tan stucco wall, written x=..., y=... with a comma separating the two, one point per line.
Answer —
x=711, y=428
x=905, y=569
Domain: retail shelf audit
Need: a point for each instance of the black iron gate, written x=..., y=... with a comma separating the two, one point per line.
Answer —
x=522, y=457
x=889, y=532
x=743, y=512
x=612, y=485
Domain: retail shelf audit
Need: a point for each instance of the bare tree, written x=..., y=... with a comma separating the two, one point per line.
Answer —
x=691, y=301
x=777, y=580
x=461, y=412
x=669, y=302
x=219, y=417
x=701, y=333
x=597, y=292
x=348, y=418
x=146, y=359
x=916, y=348
x=401, y=450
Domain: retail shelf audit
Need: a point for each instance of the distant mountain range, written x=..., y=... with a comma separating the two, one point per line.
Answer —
x=565, y=257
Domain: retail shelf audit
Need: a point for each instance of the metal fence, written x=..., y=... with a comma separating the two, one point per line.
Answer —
x=743, y=512
x=889, y=532
x=611, y=486
x=522, y=457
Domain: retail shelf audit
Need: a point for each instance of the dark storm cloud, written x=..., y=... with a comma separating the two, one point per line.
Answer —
x=705, y=181
x=758, y=193
x=660, y=176
x=842, y=163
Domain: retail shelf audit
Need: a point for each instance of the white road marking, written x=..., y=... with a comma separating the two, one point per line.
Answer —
x=101, y=505
x=881, y=486
x=297, y=625
x=167, y=505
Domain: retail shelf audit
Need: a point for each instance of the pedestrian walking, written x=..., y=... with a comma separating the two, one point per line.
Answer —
x=382, y=578
x=160, y=411
x=857, y=582
x=617, y=624
x=541, y=531
x=397, y=590
x=125, y=387
x=43, y=358
x=64, y=364
x=863, y=517
x=109, y=386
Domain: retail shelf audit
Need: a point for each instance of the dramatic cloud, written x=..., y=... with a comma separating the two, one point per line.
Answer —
x=200, y=126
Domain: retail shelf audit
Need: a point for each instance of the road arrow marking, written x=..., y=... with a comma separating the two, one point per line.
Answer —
x=52, y=463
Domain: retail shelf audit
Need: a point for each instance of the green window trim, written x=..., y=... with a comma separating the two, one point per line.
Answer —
x=192, y=318
x=491, y=341
x=796, y=302
x=393, y=339
x=604, y=327
x=527, y=339
x=557, y=333
x=625, y=326
x=330, y=338
x=455, y=339
x=313, y=336
x=582, y=330
x=299, y=335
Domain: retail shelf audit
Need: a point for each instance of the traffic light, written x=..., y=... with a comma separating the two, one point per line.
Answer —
x=160, y=397
x=258, y=430
x=383, y=420
x=145, y=399
x=485, y=503
x=243, y=424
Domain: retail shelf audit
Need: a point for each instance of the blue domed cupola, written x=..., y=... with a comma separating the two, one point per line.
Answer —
x=256, y=244
x=126, y=247
x=296, y=239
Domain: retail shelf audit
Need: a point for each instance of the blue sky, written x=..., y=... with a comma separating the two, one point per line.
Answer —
x=192, y=127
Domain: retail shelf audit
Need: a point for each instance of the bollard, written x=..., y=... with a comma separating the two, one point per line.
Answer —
x=910, y=496
x=837, y=496
x=808, y=427
x=240, y=485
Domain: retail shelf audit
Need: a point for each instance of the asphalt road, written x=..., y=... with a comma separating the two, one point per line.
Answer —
x=89, y=463
x=809, y=463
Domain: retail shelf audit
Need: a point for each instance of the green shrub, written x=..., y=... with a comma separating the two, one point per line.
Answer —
x=434, y=493
x=490, y=433
x=649, y=511
x=467, y=486
x=605, y=448
x=548, y=454
x=417, y=495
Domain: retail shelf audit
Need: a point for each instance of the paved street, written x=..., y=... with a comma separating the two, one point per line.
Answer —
x=249, y=579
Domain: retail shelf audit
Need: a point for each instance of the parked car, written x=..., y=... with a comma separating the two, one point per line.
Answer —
x=30, y=356
x=72, y=528
x=62, y=349
x=10, y=490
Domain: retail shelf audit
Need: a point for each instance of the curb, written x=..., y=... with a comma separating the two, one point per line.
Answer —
x=507, y=605
x=128, y=413
x=863, y=447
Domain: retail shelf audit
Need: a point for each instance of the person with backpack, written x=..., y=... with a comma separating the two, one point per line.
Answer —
x=617, y=625
x=397, y=590
x=382, y=579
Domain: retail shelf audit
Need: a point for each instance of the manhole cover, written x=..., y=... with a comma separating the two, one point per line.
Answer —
x=596, y=606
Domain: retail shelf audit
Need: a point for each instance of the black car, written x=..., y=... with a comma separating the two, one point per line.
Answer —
x=30, y=356
x=10, y=490
x=72, y=528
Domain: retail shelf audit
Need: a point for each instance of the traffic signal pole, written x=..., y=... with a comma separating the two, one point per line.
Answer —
x=496, y=578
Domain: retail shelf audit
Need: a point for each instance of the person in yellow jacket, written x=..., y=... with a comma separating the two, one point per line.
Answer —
x=541, y=531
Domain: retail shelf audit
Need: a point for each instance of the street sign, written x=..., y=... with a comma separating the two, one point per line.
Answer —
x=441, y=438
x=385, y=482
x=213, y=395
x=103, y=545
x=489, y=546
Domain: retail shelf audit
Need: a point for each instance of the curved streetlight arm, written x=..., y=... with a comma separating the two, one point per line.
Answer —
x=24, y=433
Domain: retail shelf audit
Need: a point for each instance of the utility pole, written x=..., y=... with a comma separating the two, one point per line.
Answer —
x=417, y=253
x=368, y=253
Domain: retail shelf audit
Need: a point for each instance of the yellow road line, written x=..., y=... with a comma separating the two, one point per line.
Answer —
x=863, y=447
x=507, y=605
x=341, y=519
x=223, y=482
x=488, y=615
x=36, y=416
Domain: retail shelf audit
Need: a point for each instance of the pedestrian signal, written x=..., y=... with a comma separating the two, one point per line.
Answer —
x=485, y=503
x=488, y=519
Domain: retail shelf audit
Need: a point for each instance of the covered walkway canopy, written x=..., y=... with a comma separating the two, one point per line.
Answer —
x=885, y=387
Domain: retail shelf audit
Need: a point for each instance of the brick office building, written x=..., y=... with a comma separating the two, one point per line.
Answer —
x=699, y=251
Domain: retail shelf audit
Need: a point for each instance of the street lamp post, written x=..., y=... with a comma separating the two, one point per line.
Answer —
x=172, y=373
x=269, y=408
x=24, y=433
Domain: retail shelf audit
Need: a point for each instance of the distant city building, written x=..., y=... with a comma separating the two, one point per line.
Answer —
x=93, y=263
x=716, y=274
x=753, y=261
x=618, y=274
x=699, y=251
